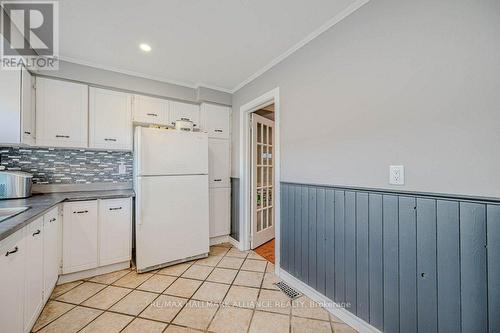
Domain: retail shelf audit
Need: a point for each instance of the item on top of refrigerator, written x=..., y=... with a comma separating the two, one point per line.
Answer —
x=184, y=124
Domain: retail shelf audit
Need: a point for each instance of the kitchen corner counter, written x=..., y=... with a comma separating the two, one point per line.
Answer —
x=41, y=203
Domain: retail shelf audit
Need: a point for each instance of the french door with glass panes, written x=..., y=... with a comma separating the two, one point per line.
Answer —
x=262, y=180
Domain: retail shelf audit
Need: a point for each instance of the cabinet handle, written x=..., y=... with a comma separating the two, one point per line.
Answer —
x=26, y=132
x=36, y=232
x=62, y=136
x=52, y=219
x=12, y=252
x=115, y=208
x=218, y=131
x=217, y=180
x=81, y=212
x=108, y=139
x=152, y=114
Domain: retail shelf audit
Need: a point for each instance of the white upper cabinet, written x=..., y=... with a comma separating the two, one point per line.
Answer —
x=16, y=108
x=218, y=163
x=61, y=113
x=115, y=230
x=110, y=119
x=27, y=107
x=216, y=120
x=179, y=110
x=151, y=110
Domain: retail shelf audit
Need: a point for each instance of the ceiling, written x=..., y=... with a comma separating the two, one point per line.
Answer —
x=219, y=44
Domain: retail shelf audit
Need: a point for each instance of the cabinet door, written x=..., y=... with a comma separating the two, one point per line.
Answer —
x=10, y=97
x=27, y=108
x=110, y=119
x=220, y=211
x=216, y=120
x=180, y=110
x=12, y=268
x=115, y=230
x=150, y=110
x=51, y=250
x=219, y=161
x=62, y=112
x=79, y=236
x=33, y=296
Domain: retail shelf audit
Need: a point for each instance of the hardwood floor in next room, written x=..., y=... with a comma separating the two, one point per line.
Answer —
x=266, y=250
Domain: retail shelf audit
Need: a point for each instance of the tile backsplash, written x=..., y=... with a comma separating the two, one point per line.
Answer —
x=68, y=166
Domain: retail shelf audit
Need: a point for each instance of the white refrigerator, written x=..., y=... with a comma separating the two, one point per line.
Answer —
x=171, y=186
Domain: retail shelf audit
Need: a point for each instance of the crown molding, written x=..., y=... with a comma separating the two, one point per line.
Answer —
x=330, y=23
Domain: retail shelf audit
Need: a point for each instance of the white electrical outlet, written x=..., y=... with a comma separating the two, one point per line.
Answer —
x=396, y=175
x=122, y=169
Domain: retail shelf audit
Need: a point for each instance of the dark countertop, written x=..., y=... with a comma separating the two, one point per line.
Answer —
x=41, y=203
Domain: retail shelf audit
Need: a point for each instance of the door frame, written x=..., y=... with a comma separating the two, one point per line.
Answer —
x=264, y=100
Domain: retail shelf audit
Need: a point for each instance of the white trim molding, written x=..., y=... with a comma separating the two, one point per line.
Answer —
x=330, y=23
x=347, y=317
x=245, y=206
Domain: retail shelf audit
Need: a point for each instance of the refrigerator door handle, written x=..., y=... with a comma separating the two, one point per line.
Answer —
x=138, y=204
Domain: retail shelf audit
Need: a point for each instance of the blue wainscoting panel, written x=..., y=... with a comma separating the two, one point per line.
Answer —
x=401, y=262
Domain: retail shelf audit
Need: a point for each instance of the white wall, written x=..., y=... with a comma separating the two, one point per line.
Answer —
x=397, y=82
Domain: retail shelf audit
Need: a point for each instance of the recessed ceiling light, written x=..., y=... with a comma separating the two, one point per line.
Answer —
x=145, y=47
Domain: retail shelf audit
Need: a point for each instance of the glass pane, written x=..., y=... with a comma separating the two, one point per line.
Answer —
x=270, y=156
x=270, y=218
x=264, y=219
x=264, y=134
x=264, y=155
x=264, y=198
x=259, y=176
x=270, y=176
x=259, y=221
x=259, y=155
x=259, y=199
x=259, y=133
x=270, y=197
x=270, y=135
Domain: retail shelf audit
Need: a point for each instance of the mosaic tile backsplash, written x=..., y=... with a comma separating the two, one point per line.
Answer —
x=68, y=166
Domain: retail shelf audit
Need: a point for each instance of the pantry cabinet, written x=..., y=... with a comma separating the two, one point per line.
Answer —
x=34, y=282
x=61, y=113
x=216, y=120
x=179, y=110
x=218, y=163
x=51, y=250
x=12, y=282
x=150, y=110
x=79, y=236
x=220, y=210
x=115, y=230
x=110, y=119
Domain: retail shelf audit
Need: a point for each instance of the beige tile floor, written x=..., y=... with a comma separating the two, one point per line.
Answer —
x=230, y=291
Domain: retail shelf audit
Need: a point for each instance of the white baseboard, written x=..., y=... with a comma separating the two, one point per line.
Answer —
x=350, y=319
x=219, y=240
x=92, y=272
x=234, y=243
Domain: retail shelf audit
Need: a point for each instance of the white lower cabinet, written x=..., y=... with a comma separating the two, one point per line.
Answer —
x=219, y=199
x=12, y=275
x=115, y=230
x=79, y=236
x=51, y=250
x=33, y=295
